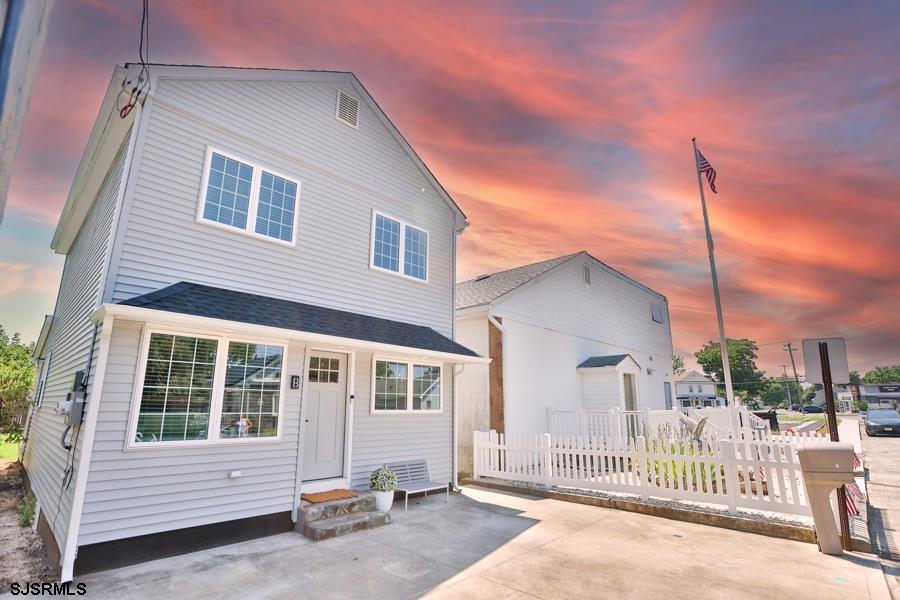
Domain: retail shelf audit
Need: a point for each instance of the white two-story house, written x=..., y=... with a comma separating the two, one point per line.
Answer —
x=693, y=389
x=565, y=334
x=257, y=300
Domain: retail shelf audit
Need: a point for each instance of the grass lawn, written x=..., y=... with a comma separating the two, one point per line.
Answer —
x=8, y=450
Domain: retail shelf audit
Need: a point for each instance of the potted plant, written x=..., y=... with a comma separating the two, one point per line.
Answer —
x=383, y=482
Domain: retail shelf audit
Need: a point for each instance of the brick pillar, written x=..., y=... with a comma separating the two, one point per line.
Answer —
x=495, y=353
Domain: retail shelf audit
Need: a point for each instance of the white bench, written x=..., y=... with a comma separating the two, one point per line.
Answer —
x=412, y=477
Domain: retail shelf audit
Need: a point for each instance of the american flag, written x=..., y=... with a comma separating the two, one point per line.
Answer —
x=853, y=495
x=704, y=167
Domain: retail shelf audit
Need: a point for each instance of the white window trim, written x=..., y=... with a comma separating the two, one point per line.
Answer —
x=403, y=226
x=409, y=386
x=218, y=390
x=253, y=208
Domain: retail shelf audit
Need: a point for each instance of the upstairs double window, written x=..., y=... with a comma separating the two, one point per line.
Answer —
x=240, y=195
x=399, y=247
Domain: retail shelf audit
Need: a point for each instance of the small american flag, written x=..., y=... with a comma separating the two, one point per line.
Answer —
x=704, y=167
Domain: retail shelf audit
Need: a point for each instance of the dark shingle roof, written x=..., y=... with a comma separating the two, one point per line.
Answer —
x=485, y=289
x=603, y=361
x=217, y=303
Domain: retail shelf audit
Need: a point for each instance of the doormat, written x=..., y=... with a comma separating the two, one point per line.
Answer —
x=328, y=496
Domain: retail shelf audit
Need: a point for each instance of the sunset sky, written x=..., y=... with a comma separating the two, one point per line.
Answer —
x=562, y=128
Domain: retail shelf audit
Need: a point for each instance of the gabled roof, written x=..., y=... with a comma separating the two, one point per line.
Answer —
x=484, y=289
x=611, y=360
x=693, y=376
x=110, y=131
x=241, y=307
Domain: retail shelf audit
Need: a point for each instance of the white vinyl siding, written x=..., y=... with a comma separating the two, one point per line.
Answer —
x=68, y=348
x=389, y=436
x=137, y=492
x=346, y=173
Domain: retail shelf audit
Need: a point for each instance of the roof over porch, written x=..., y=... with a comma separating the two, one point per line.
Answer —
x=218, y=307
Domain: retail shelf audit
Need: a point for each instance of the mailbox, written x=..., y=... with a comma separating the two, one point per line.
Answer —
x=825, y=467
x=828, y=461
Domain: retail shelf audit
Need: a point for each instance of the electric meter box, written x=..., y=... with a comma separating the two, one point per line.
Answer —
x=75, y=400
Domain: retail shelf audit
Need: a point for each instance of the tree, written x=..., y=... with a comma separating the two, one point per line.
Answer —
x=742, y=356
x=882, y=375
x=16, y=379
x=677, y=365
x=855, y=378
x=775, y=393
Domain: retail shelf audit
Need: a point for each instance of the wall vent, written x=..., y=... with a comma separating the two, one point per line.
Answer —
x=347, y=110
x=586, y=271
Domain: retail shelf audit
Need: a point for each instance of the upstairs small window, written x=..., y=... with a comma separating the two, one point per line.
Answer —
x=399, y=248
x=656, y=313
x=586, y=274
x=241, y=196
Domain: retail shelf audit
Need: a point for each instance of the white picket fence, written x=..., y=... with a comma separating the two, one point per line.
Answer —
x=726, y=422
x=760, y=475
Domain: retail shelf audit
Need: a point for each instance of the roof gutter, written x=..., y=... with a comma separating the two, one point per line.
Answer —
x=150, y=315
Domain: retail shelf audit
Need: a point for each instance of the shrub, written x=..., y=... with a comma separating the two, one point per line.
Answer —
x=382, y=479
x=26, y=510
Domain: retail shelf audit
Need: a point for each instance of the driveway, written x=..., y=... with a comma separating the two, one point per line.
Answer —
x=488, y=544
x=883, y=486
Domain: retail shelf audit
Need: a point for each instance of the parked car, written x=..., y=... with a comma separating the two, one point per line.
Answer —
x=813, y=409
x=882, y=420
x=796, y=407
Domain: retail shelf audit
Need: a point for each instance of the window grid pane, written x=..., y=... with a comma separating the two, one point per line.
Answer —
x=277, y=203
x=391, y=385
x=386, y=253
x=426, y=387
x=178, y=383
x=415, y=253
x=228, y=191
x=324, y=370
x=251, y=404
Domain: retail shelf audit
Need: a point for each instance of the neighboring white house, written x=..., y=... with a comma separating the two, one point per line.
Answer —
x=562, y=334
x=258, y=294
x=693, y=389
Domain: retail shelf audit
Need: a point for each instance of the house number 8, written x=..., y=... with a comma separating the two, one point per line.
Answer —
x=295, y=382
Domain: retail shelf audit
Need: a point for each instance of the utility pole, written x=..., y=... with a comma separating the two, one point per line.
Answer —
x=787, y=387
x=790, y=350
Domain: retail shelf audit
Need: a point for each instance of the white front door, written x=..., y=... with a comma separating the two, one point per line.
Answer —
x=323, y=446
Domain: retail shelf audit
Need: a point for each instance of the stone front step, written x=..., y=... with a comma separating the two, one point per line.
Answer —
x=310, y=512
x=323, y=529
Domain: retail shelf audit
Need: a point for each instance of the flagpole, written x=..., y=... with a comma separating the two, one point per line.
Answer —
x=723, y=342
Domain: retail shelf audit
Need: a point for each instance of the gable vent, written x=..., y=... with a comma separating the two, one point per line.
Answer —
x=347, y=110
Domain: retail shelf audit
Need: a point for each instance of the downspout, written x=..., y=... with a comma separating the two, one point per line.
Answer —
x=456, y=428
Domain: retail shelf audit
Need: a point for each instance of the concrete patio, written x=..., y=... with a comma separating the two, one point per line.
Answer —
x=488, y=544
